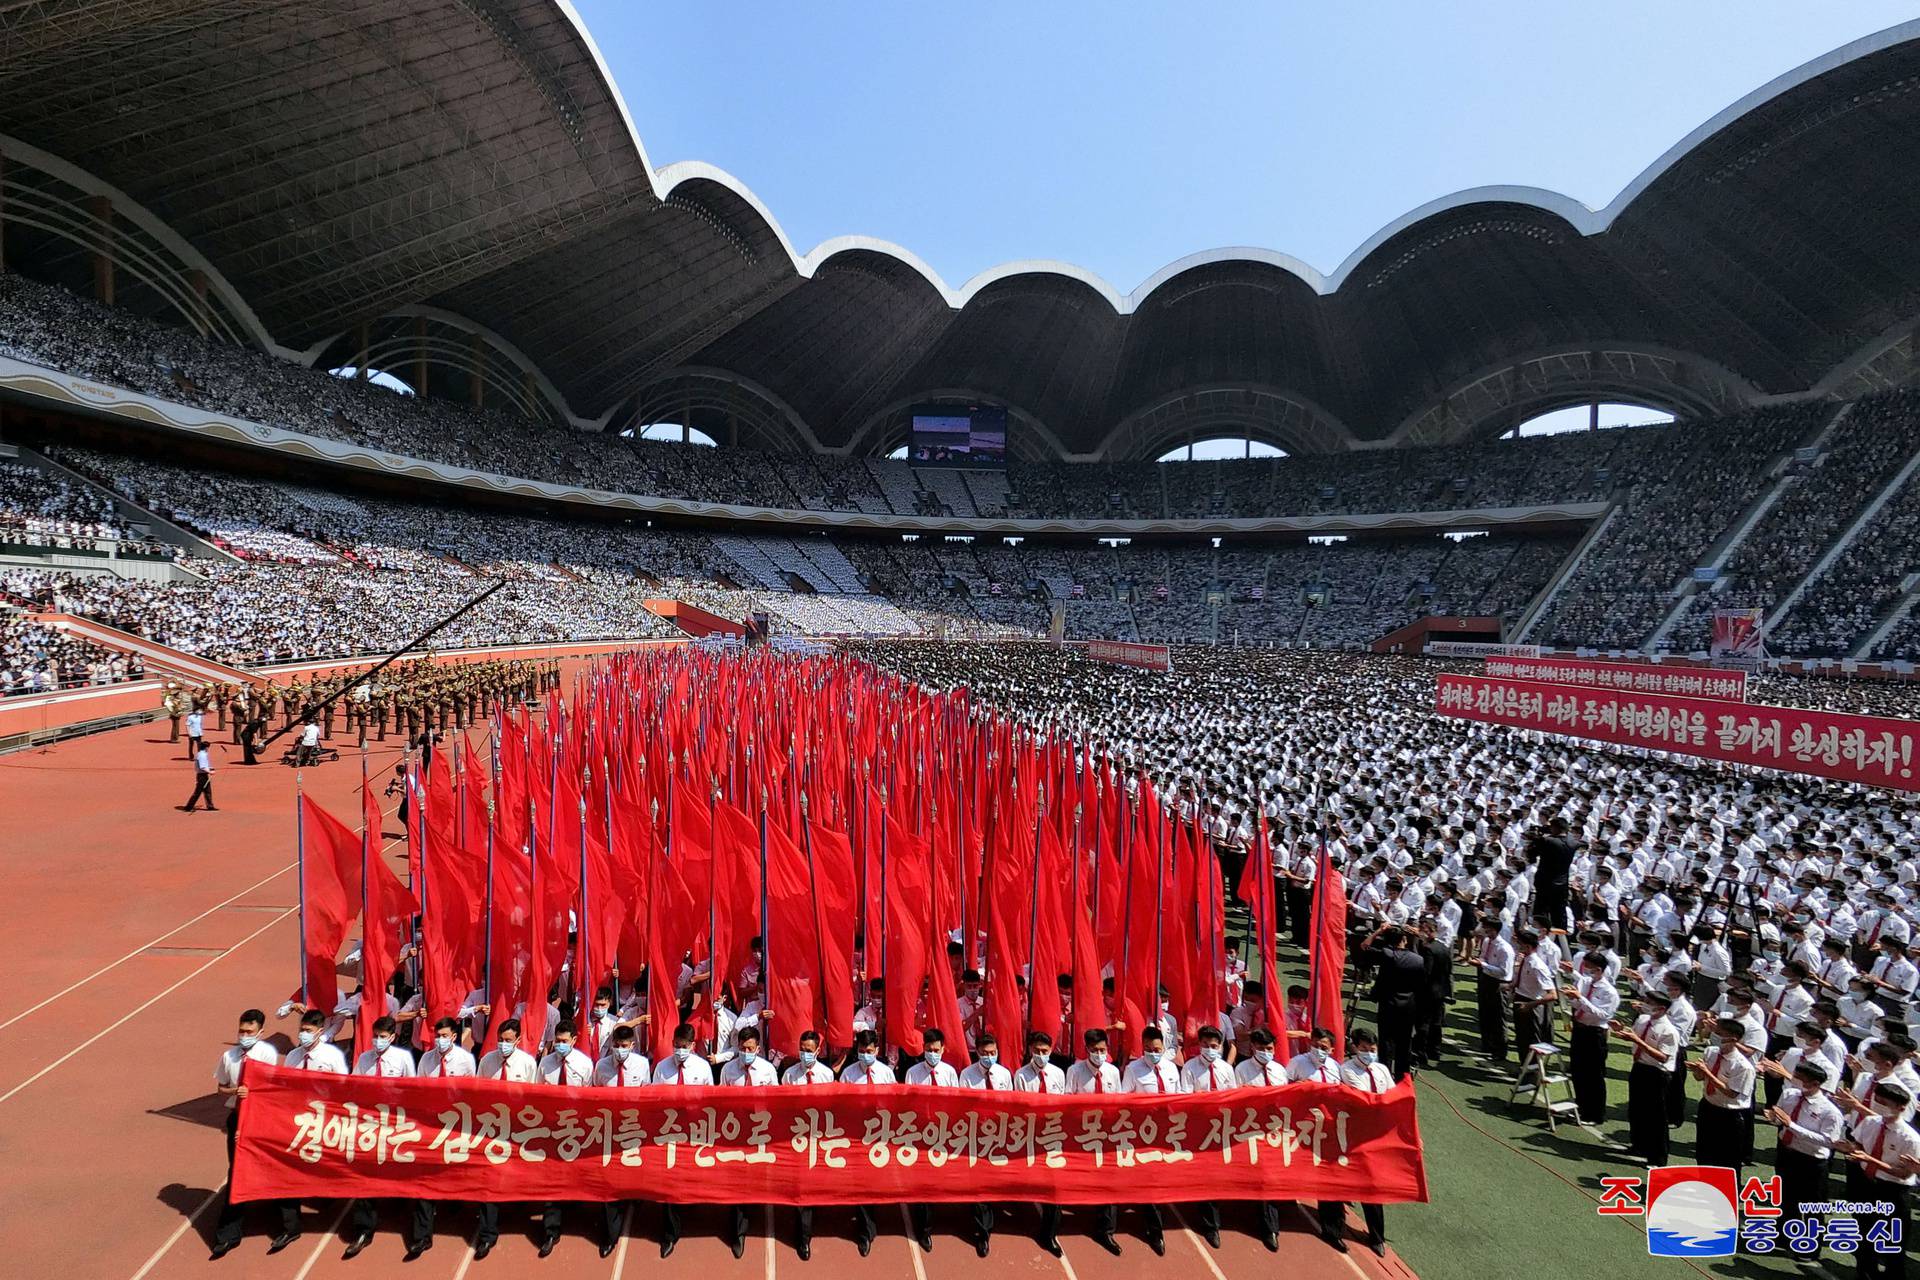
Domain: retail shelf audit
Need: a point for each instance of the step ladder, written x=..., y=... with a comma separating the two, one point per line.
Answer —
x=1536, y=1083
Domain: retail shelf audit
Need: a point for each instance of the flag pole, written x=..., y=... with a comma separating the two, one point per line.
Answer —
x=813, y=891
x=583, y=980
x=883, y=910
x=300, y=861
x=766, y=940
x=1033, y=903
x=1159, y=910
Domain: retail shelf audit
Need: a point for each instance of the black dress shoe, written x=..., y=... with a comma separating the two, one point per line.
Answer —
x=282, y=1240
x=222, y=1250
x=667, y=1247
x=1335, y=1243
x=415, y=1250
x=739, y=1246
x=1212, y=1237
x=865, y=1245
x=925, y=1240
x=1051, y=1245
x=356, y=1246
x=607, y=1247
x=546, y=1246
x=1159, y=1246
x=1272, y=1241
x=1377, y=1243
x=980, y=1246
x=482, y=1249
x=805, y=1250
x=1106, y=1241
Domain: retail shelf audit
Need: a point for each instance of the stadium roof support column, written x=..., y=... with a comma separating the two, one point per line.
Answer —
x=1593, y=416
x=362, y=340
x=420, y=356
x=3, y=211
x=474, y=354
x=102, y=210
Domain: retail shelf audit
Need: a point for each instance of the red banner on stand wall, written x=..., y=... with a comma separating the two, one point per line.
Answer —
x=1627, y=677
x=1873, y=750
x=333, y=1137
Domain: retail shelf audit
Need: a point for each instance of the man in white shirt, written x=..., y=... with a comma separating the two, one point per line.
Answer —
x=315, y=1052
x=681, y=1069
x=933, y=1071
x=746, y=1070
x=1207, y=1072
x=1886, y=1148
x=1495, y=967
x=1810, y=1124
x=389, y=1060
x=1723, y=1132
x=1656, y=1053
x=202, y=781
x=1535, y=994
x=508, y=1061
x=1259, y=1070
x=1038, y=1075
x=1594, y=1001
x=1153, y=1072
x=864, y=1070
x=985, y=1073
x=227, y=1081
x=1317, y=1062
x=445, y=1058
x=1364, y=1071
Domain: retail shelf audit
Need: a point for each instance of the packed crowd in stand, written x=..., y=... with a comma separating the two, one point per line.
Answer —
x=35, y=658
x=39, y=508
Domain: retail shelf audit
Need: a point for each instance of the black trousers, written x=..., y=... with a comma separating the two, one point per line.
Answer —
x=1723, y=1136
x=1647, y=1112
x=366, y=1215
x=1774, y=1085
x=1493, y=1016
x=233, y=1217
x=1869, y=1261
x=1333, y=1219
x=1049, y=1221
x=1207, y=1215
x=1532, y=1024
x=1677, y=1091
x=1397, y=1022
x=1587, y=1065
x=1803, y=1178
x=202, y=790
x=1431, y=1028
x=736, y=1224
x=865, y=1225
x=1299, y=913
x=669, y=1223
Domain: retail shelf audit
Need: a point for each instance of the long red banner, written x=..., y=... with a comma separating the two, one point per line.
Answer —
x=331, y=1137
x=1148, y=657
x=1867, y=749
x=1628, y=677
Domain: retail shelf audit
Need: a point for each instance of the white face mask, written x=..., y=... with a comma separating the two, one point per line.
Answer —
x=1891, y=1110
x=443, y=1043
x=1263, y=1056
x=748, y=1055
x=308, y=1037
x=1319, y=1055
x=1367, y=1057
x=1153, y=1056
x=1098, y=1057
x=382, y=1043
x=620, y=1054
x=563, y=1047
x=507, y=1048
x=1210, y=1052
x=682, y=1052
x=808, y=1057
x=868, y=1058
x=989, y=1058
x=1040, y=1058
x=933, y=1057
x=247, y=1042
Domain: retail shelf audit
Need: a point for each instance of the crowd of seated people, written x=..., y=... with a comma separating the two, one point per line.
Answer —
x=40, y=508
x=1865, y=450
x=1668, y=519
x=35, y=658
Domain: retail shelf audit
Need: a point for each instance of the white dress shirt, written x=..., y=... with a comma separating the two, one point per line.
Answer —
x=858, y=1072
x=1046, y=1079
x=1303, y=1067
x=394, y=1062
x=611, y=1073
x=318, y=1056
x=457, y=1062
x=696, y=1070
x=572, y=1068
x=939, y=1075
x=1814, y=1122
x=1201, y=1076
x=1369, y=1077
x=1083, y=1077
x=226, y=1072
x=1734, y=1068
x=1248, y=1071
x=520, y=1067
x=983, y=1075
x=752, y=1072
x=799, y=1073
x=1142, y=1076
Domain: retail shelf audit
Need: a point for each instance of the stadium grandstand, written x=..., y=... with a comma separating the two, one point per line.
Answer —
x=330, y=323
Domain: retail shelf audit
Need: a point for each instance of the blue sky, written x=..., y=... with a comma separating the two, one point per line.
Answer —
x=1120, y=136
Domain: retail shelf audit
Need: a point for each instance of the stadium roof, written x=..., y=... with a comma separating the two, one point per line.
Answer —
x=337, y=162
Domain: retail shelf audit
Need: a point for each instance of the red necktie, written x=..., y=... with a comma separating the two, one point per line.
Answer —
x=443, y=1064
x=1879, y=1139
x=1099, y=1079
x=1266, y=1073
x=1042, y=1073
x=1373, y=1083
x=503, y=1066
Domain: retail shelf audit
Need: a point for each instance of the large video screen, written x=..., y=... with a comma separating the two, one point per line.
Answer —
x=958, y=435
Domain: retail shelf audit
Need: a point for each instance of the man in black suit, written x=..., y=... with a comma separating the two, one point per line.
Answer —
x=1435, y=997
x=1552, y=870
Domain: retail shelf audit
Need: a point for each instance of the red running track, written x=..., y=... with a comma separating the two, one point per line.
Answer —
x=138, y=933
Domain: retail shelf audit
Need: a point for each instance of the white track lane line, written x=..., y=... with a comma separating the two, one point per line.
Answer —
x=137, y=950
x=327, y=1237
x=913, y=1249
x=1066, y=1265
x=1206, y=1254
x=90, y=1041
x=466, y=1261
x=769, y=1209
x=1313, y=1225
x=179, y=1231
x=620, y=1254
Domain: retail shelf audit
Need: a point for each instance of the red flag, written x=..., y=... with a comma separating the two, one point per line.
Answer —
x=327, y=905
x=1329, y=949
x=1256, y=889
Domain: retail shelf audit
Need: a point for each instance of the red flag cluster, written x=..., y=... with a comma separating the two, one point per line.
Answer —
x=870, y=836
